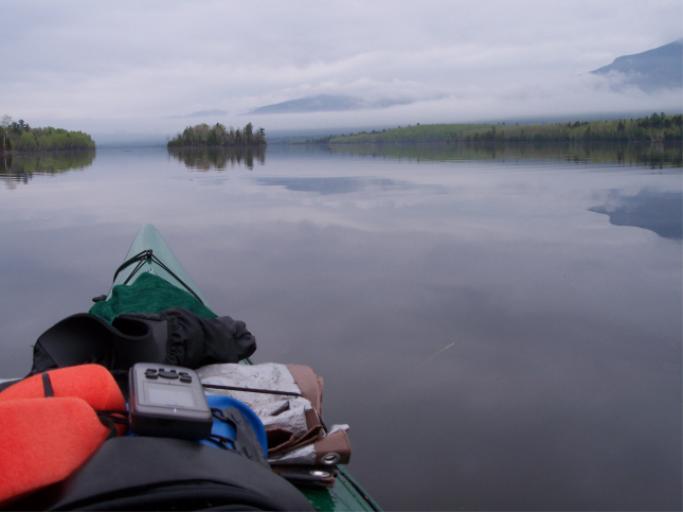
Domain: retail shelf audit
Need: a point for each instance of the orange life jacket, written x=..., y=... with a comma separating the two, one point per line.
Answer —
x=50, y=426
x=91, y=382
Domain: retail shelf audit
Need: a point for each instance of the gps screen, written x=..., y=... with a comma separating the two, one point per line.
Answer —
x=174, y=396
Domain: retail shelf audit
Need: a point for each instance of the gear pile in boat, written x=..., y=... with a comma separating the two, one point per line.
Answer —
x=67, y=426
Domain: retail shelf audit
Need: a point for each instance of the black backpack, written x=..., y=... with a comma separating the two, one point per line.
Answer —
x=149, y=473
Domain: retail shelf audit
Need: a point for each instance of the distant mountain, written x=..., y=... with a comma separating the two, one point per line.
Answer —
x=202, y=113
x=659, y=68
x=325, y=103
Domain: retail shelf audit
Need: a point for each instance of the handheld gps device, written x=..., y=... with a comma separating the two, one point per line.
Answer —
x=167, y=401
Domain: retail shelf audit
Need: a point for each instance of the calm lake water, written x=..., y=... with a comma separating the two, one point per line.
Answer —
x=501, y=330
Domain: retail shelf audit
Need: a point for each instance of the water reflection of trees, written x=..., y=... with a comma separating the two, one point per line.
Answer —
x=21, y=167
x=656, y=156
x=205, y=159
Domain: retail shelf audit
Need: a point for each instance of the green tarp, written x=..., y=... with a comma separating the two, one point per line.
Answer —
x=148, y=294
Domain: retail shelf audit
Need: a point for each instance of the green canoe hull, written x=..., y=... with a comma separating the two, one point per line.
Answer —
x=150, y=238
x=346, y=494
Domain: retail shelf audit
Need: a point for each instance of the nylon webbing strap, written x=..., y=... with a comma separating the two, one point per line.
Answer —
x=47, y=385
x=245, y=441
x=112, y=418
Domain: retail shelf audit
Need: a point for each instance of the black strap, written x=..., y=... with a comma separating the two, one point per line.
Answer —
x=148, y=256
x=118, y=417
x=112, y=418
x=47, y=385
x=253, y=390
x=142, y=255
x=245, y=442
x=141, y=262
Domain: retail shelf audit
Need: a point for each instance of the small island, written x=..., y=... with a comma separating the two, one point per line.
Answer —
x=217, y=136
x=18, y=136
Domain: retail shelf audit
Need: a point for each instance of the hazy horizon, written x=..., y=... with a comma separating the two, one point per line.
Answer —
x=144, y=71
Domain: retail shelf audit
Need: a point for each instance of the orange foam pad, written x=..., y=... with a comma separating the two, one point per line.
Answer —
x=43, y=441
x=91, y=382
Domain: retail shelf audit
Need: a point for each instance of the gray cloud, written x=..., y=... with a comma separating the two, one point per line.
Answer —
x=141, y=66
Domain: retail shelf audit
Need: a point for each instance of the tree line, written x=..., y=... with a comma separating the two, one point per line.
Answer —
x=654, y=128
x=19, y=136
x=203, y=135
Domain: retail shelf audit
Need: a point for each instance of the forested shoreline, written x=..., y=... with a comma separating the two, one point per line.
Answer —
x=203, y=135
x=19, y=136
x=658, y=128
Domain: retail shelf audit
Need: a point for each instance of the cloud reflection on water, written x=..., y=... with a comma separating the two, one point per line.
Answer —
x=658, y=211
x=335, y=184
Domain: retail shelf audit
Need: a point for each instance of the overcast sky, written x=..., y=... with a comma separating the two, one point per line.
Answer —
x=138, y=67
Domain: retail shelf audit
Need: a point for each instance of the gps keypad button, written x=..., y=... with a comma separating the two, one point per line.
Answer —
x=168, y=374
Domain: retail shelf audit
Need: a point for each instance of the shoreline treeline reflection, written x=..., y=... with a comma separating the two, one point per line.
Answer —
x=210, y=158
x=15, y=167
x=655, y=156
